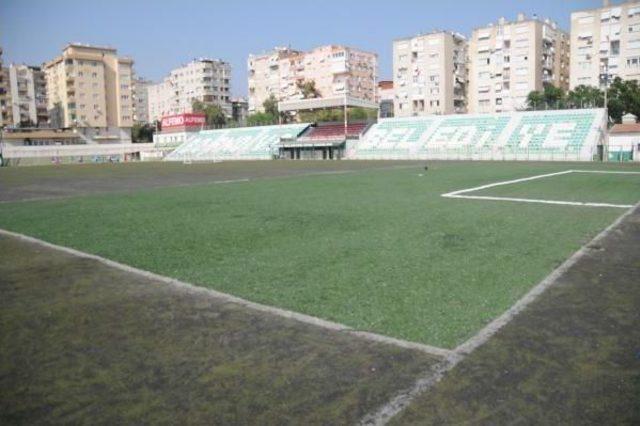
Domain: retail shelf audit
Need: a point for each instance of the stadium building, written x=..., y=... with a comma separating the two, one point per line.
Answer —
x=5, y=96
x=430, y=74
x=385, y=98
x=28, y=95
x=605, y=41
x=89, y=88
x=176, y=130
x=204, y=80
x=624, y=140
x=335, y=71
x=508, y=60
x=562, y=135
x=141, y=100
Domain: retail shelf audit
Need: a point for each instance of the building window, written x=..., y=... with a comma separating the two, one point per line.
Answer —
x=615, y=48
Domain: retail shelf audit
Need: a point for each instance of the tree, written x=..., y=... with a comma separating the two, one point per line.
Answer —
x=308, y=89
x=535, y=100
x=358, y=113
x=142, y=133
x=337, y=115
x=623, y=98
x=269, y=116
x=261, y=119
x=550, y=98
x=554, y=97
x=585, y=97
x=270, y=106
x=214, y=114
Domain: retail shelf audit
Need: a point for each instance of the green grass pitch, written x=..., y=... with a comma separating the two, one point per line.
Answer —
x=378, y=250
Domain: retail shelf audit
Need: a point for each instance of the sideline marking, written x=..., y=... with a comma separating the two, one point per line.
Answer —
x=225, y=297
x=458, y=194
x=425, y=382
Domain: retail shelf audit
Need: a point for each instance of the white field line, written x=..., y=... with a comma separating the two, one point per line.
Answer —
x=533, y=200
x=224, y=297
x=607, y=172
x=402, y=400
x=219, y=182
x=458, y=194
x=506, y=182
x=490, y=329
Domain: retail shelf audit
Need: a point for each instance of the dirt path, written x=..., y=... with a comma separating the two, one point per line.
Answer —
x=82, y=342
x=572, y=357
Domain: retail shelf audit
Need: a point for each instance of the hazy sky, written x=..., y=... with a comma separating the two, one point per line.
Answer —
x=161, y=35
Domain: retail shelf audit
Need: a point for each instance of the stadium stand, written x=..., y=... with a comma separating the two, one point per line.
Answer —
x=244, y=143
x=532, y=135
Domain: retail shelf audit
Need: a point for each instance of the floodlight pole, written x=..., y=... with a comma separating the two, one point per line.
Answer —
x=345, y=116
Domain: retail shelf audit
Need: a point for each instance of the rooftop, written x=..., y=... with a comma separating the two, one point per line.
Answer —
x=89, y=46
x=626, y=128
x=433, y=32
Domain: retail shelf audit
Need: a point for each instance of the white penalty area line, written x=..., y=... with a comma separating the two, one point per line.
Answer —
x=383, y=414
x=459, y=193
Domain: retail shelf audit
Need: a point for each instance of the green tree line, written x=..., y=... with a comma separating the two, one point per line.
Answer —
x=623, y=97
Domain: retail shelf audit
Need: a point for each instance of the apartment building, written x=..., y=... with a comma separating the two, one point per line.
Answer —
x=240, y=110
x=28, y=96
x=605, y=41
x=204, y=80
x=5, y=96
x=141, y=100
x=507, y=60
x=90, y=88
x=385, y=98
x=430, y=74
x=335, y=70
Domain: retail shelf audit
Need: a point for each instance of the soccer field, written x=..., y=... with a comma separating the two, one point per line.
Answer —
x=377, y=249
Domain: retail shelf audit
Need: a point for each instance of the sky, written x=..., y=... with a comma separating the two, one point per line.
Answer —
x=161, y=35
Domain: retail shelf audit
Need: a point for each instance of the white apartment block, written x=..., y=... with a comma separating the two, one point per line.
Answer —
x=605, y=41
x=5, y=96
x=336, y=71
x=430, y=74
x=385, y=98
x=90, y=88
x=141, y=100
x=28, y=95
x=507, y=60
x=204, y=80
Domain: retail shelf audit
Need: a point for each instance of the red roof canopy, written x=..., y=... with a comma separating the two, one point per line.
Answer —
x=626, y=128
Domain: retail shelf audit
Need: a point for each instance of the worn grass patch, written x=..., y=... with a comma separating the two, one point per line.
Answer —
x=82, y=342
x=377, y=250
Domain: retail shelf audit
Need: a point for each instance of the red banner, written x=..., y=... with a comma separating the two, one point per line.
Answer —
x=183, y=120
